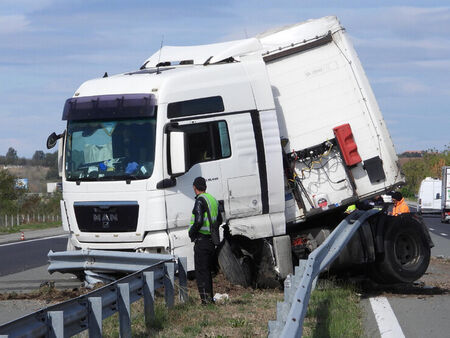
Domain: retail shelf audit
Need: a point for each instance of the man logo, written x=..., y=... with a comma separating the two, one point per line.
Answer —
x=106, y=218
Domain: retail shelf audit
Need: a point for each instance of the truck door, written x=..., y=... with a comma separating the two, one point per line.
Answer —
x=223, y=151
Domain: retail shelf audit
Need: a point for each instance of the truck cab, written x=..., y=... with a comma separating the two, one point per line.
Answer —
x=120, y=145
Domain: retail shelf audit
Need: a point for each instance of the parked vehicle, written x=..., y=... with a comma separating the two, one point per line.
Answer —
x=430, y=196
x=284, y=127
x=445, y=195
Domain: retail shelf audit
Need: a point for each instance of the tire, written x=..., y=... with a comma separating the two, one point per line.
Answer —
x=406, y=251
x=235, y=267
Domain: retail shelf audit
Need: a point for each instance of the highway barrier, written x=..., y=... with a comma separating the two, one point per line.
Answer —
x=298, y=287
x=87, y=312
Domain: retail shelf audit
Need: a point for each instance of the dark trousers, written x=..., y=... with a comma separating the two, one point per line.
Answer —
x=204, y=259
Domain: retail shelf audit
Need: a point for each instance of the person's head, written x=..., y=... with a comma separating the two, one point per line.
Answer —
x=199, y=185
x=397, y=196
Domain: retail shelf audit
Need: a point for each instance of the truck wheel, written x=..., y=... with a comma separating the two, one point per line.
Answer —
x=235, y=266
x=406, y=251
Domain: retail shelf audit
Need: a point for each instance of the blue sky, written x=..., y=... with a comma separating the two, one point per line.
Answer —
x=49, y=47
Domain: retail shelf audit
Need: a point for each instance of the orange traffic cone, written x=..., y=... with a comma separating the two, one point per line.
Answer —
x=22, y=236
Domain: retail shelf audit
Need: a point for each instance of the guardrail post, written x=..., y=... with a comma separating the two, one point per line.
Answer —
x=149, y=297
x=182, y=278
x=169, y=280
x=275, y=328
x=55, y=322
x=123, y=300
x=288, y=288
x=95, y=316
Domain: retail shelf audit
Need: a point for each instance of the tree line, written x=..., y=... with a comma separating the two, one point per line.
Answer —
x=429, y=165
x=49, y=160
x=39, y=158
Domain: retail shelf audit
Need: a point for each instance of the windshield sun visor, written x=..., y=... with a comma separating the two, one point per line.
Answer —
x=110, y=107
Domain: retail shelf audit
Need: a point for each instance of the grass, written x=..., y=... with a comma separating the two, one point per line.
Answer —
x=333, y=312
x=245, y=314
x=34, y=226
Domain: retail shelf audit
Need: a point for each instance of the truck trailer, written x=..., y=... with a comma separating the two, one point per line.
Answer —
x=283, y=126
x=445, y=195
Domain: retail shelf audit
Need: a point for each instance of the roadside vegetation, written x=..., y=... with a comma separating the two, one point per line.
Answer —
x=429, y=164
x=333, y=312
x=32, y=226
x=18, y=203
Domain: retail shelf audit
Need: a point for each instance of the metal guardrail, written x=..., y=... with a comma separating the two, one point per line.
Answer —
x=86, y=312
x=298, y=288
x=102, y=260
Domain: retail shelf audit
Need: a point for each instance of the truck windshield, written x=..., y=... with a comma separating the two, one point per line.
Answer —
x=110, y=150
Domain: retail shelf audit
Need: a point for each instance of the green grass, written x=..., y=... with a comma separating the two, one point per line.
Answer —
x=23, y=227
x=333, y=311
x=245, y=314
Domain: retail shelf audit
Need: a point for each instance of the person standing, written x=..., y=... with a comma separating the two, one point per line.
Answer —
x=400, y=206
x=205, y=213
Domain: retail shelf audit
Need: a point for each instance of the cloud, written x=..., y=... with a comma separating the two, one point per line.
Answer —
x=10, y=24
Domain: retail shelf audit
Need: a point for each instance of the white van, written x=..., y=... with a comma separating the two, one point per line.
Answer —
x=430, y=196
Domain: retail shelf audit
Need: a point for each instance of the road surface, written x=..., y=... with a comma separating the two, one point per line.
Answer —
x=21, y=256
x=422, y=313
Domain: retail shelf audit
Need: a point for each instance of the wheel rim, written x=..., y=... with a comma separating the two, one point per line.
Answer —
x=407, y=251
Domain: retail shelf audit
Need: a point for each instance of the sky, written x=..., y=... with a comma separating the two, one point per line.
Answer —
x=49, y=47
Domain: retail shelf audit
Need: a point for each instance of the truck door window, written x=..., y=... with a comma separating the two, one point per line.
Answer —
x=207, y=141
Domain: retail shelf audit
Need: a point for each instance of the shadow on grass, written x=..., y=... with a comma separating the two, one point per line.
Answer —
x=321, y=313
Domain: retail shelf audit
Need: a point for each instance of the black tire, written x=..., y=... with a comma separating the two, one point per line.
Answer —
x=406, y=251
x=235, y=267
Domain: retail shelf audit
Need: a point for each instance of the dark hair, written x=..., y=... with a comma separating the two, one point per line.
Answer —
x=200, y=183
x=397, y=195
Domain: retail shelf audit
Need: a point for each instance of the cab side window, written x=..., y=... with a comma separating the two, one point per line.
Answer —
x=207, y=141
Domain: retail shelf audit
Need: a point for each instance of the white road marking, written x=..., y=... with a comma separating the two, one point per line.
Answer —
x=32, y=240
x=385, y=317
x=432, y=229
x=444, y=234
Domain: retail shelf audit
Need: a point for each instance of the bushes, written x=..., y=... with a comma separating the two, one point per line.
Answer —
x=430, y=165
x=17, y=201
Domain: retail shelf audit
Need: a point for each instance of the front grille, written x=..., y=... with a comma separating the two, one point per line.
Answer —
x=114, y=216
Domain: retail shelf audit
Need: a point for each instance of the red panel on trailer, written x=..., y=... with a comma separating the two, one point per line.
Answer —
x=349, y=149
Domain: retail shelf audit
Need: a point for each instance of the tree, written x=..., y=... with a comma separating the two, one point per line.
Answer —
x=51, y=160
x=8, y=192
x=429, y=166
x=11, y=156
x=38, y=158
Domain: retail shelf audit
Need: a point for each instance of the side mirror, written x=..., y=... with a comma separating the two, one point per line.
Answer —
x=52, y=139
x=177, y=153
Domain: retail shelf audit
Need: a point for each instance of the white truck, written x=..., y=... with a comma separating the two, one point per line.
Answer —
x=430, y=195
x=445, y=195
x=283, y=126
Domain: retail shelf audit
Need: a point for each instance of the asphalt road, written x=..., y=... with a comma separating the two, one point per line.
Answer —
x=440, y=234
x=418, y=314
x=21, y=256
